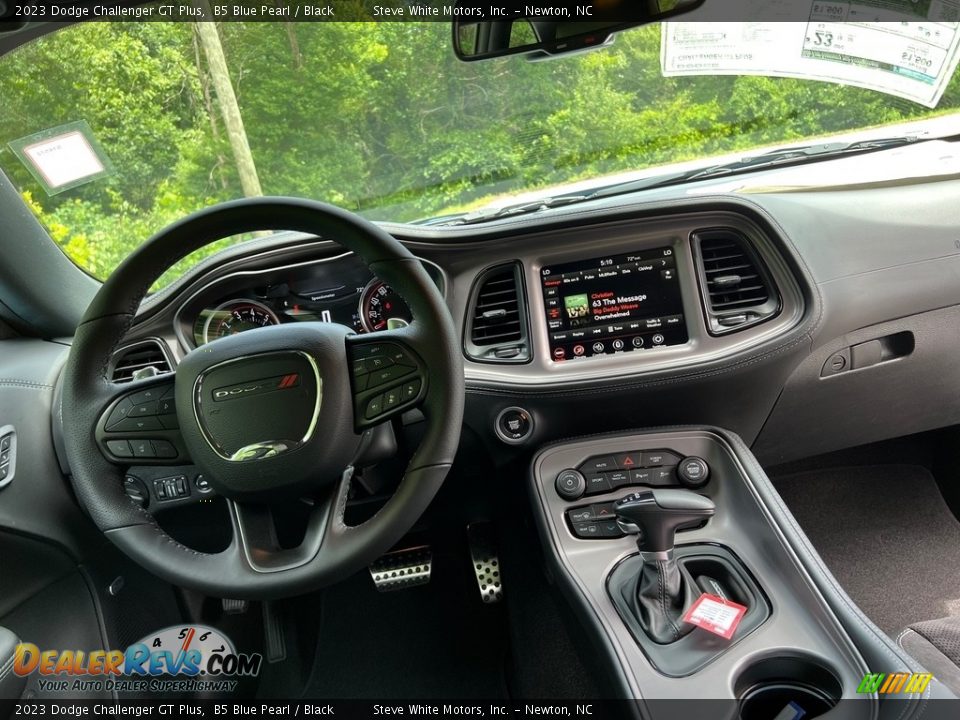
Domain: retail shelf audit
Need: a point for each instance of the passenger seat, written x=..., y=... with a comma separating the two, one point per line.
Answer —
x=935, y=644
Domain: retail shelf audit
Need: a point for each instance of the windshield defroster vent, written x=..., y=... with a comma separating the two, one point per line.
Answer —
x=737, y=290
x=497, y=327
x=142, y=359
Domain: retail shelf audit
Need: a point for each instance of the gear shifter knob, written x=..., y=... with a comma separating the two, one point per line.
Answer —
x=660, y=513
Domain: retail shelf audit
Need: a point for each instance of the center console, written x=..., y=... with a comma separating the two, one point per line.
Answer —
x=640, y=525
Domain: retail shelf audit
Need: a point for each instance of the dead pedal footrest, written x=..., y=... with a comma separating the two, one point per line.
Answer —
x=486, y=563
x=402, y=568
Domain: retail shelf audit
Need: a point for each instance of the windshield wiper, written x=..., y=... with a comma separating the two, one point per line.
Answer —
x=525, y=208
x=786, y=157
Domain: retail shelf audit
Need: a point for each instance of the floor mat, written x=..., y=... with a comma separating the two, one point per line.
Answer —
x=886, y=534
x=433, y=641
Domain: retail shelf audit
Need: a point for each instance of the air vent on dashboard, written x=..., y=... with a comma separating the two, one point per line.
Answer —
x=137, y=358
x=497, y=317
x=736, y=287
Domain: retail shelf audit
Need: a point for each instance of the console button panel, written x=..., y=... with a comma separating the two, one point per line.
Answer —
x=654, y=468
x=594, y=521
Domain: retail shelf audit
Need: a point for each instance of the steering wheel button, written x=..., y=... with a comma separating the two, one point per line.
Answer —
x=147, y=395
x=391, y=398
x=119, y=413
x=144, y=409
x=379, y=377
x=142, y=448
x=136, y=424
x=164, y=449
x=360, y=382
x=119, y=448
x=360, y=367
x=5, y=443
x=378, y=362
x=170, y=422
x=411, y=390
x=165, y=406
x=374, y=407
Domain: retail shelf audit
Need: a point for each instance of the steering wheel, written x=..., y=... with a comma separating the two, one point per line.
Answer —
x=264, y=415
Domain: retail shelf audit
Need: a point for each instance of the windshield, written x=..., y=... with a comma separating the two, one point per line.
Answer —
x=154, y=120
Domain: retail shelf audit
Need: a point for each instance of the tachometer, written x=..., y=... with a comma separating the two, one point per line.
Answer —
x=381, y=308
x=237, y=316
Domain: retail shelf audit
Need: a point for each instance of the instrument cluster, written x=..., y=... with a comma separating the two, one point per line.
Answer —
x=340, y=290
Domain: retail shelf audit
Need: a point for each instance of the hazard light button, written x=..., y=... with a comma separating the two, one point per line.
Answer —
x=629, y=461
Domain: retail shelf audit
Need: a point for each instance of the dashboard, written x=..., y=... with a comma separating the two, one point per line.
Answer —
x=775, y=314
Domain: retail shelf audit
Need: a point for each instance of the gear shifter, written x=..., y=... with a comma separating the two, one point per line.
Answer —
x=664, y=589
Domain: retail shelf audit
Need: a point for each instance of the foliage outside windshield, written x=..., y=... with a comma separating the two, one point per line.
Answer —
x=378, y=118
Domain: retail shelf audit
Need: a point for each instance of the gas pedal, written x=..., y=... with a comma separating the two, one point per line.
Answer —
x=486, y=563
x=402, y=568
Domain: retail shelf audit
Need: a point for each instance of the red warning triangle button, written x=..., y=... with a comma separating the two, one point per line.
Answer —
x=628, y=461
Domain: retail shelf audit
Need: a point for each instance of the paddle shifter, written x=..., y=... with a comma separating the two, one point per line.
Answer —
x=664, y=588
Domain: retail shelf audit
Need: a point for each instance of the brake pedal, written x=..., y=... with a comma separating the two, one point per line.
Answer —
x=486, y=563
x=402, y=568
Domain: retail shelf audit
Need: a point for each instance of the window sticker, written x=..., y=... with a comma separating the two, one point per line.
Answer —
x=63, y=157
x=853, y=43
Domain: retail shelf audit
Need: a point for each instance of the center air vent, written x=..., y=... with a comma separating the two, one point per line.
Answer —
x=737, y=290
x=497, y=317
x=138, y=359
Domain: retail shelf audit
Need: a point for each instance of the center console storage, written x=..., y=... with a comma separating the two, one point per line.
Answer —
x=639, y=526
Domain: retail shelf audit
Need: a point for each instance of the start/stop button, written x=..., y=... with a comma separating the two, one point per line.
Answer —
x=514, y=425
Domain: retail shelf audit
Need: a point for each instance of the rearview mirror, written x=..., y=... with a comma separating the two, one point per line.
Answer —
x=558, y=29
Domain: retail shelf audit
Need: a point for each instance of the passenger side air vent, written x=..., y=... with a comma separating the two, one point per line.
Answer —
x=736, y=287
x=143, y=359
x=497, y=326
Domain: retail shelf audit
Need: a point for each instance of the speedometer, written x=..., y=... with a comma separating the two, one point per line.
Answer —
x=381, y=308
x=237, y=316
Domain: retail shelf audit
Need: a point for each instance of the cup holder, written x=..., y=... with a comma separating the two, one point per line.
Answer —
x=782, y=687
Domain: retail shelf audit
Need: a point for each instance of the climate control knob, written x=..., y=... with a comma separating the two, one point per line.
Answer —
x=570, y=484
x=693, y=472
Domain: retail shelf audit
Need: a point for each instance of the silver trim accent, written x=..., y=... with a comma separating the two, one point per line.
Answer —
x=159, y=342
x=402, y=568
x=663, y=556
x=260, y=450
x=286, y=444
x=507, y=439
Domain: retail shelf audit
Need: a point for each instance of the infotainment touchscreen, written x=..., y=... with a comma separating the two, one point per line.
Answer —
x=613, y=305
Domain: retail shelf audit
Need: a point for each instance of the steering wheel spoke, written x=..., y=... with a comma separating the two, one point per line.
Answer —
x=139, y=424
x=388, y=375
x=255, y=533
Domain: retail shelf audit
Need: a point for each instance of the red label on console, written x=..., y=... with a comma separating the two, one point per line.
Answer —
x=716, y=615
